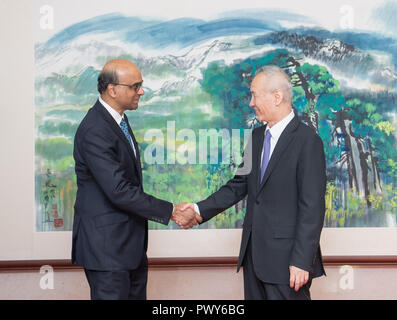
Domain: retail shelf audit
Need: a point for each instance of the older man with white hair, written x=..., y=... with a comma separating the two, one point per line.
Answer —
x=280, y=251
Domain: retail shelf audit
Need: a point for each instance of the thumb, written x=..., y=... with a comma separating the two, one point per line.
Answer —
x=186, y=205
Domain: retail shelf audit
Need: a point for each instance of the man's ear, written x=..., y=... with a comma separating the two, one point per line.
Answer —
x=111, y=90
x=278, y=97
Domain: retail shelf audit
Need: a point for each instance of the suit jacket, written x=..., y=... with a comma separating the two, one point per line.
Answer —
x=110, y=227
x=285, y=213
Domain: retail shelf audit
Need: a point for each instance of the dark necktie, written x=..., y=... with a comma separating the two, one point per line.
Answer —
x=266, y=153
x=124, y=128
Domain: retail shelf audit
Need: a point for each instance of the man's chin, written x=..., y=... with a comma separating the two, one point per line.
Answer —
x=133, y=107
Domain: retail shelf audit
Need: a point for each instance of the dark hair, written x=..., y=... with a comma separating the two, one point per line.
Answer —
x=105, y=78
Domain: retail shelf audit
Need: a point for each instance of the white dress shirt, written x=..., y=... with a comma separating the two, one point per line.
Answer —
x=276, y=132
x=117, y=117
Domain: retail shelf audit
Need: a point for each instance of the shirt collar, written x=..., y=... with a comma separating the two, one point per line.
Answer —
x=115, y=115
x=279, y=127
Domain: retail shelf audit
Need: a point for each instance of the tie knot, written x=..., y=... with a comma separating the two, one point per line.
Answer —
x=268, y=135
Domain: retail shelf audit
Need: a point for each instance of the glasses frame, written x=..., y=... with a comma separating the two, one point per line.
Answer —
x=136, y=86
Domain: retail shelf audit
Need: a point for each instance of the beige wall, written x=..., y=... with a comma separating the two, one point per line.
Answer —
x=16, y=129
x=212, y=283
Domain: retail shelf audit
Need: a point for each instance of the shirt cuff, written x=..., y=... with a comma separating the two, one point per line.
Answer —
x=196, y=208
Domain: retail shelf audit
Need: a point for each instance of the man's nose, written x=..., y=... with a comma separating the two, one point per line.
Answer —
x=252, y=103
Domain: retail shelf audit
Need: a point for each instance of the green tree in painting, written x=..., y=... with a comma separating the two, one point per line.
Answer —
x=353, y=124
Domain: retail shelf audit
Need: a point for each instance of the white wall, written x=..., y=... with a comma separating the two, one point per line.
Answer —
x=16, y=129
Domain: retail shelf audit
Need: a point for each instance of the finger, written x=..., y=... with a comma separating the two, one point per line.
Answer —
x=199, y=218
x=175, y=215
x=292, y=280
x=306, y=277
x=298, y=285
x=187, y=226
x=300, y=280
x=178, y=216
x=192, y=224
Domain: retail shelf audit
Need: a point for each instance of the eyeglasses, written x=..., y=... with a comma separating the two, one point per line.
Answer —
x=135, y=86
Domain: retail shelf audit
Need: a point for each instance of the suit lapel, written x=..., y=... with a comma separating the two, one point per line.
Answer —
x=117, y=130
x=257, y=153
x=281, y=146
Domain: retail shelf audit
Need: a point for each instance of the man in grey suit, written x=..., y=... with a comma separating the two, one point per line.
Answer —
x=280, y=251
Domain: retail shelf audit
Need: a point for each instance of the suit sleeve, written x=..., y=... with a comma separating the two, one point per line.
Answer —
x=230, y=193
x=100, y=156
x=311, y=177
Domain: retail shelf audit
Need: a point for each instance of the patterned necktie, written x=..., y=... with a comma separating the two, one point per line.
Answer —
x=266, y=153
x=124, y=128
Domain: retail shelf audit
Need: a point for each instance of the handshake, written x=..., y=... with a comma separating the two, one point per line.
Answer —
x=185, y=216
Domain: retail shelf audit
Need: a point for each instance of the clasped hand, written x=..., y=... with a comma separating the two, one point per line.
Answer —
x=185, y=216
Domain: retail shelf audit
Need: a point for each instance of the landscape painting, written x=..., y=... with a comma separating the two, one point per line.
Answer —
x=196, y=77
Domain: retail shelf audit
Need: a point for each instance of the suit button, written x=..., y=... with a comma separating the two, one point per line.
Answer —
x=257, y=201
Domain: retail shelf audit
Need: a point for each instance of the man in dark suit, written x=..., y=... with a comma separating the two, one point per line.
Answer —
x=110, y=229
x=280, y=251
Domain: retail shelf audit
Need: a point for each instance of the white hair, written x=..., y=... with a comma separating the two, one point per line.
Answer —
x=285, y=84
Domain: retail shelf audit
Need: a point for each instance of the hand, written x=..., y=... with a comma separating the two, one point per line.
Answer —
x=297, y=277
x=185, y=219
x=186, y=205
x=185, y=216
